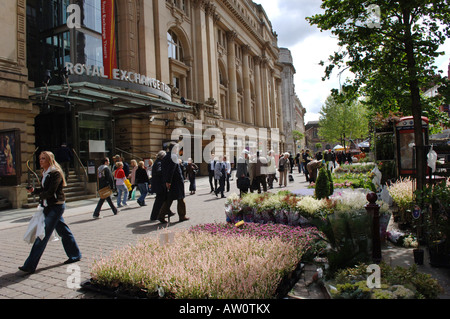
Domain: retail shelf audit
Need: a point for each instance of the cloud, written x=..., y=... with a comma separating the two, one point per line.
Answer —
x=288, y=18
x=308, y=47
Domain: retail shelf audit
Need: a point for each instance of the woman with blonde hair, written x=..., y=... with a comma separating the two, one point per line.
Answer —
x=52, y=200
x=120, y=177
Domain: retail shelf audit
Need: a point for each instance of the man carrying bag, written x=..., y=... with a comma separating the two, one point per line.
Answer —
x=105, y=186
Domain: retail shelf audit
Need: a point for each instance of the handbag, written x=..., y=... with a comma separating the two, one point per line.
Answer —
x=128, y=185
x=105, y=192
x=281, y=168
x=243, y=183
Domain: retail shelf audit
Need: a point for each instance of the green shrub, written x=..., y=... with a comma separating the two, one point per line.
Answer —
x=322, y=185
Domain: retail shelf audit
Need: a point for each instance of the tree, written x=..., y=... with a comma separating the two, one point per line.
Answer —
x=393, y=59
x=346, y=118
x=297, y=136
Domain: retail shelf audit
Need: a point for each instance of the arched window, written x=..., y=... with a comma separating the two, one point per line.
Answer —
x=175, y=48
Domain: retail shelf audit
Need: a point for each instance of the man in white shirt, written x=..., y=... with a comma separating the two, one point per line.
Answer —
x=228, y=172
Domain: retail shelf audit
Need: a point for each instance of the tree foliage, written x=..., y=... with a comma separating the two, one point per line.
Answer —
x=392, y=59
x=340, y=118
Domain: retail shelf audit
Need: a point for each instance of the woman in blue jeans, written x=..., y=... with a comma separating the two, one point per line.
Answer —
x=142, y=182
x=52, y=199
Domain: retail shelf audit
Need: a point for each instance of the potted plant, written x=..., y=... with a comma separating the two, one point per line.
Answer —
x=436, y=200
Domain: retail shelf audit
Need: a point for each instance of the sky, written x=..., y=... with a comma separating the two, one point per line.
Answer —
x=309, y=46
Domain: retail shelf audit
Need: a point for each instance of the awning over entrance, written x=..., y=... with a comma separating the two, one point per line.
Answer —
x=86, y=96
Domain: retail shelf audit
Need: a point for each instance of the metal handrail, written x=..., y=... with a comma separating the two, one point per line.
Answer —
x=133, y=155
x=86, y=178
x=32, y=171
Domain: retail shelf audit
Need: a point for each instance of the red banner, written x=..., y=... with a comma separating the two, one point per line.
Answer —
x=109, y=36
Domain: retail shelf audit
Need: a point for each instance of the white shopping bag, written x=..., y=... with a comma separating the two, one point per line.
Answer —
x=432, y=159
x=377, y=177
x=385, y=196
x=36, y=228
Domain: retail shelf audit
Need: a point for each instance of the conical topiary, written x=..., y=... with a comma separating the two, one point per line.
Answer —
x=322, y=185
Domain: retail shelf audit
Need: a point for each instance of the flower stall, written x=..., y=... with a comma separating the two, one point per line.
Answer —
x=342, y=218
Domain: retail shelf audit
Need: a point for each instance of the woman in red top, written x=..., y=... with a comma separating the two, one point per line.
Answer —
x=122, y=190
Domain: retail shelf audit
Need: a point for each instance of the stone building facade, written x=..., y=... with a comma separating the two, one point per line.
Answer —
x=293, y=110
x=204, y=67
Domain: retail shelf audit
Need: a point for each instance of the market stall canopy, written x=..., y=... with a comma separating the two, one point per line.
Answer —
x=364, y=144
x=339, y=148
x=92, y=96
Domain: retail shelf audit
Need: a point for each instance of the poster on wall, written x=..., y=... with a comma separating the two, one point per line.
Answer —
x=10, y=163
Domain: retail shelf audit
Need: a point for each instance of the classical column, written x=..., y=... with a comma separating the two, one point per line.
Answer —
x=259, y=121
x=211, y=19
x=273, y=104
x=265, y=93
x=248, y=118
x=201, y=52
x=232, y=88
x=279, y=106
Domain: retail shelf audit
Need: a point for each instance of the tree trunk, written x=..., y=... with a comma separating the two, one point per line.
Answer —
x=416, y=106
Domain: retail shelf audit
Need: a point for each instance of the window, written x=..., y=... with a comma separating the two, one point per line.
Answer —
x=175, y=48
x=180, y=4
x=93, y=15
x=51, y=43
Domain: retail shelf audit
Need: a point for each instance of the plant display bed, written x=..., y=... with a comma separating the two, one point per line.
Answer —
x=213, y=261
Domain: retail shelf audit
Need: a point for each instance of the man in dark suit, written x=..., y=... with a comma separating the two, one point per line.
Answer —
x=173, y=179
x=211, y=167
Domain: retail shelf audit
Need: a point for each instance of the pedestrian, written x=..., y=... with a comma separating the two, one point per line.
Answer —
x=291, y=163
x=313, y=167
x=211, y=166
x=219, y=176
x=149, y=174
x=261, y=172
x=228, y=173
x=158, y=185
x=242, y=178
x=63, y=156
x=283, y=168
x=132, y=177
x=105, y=179
x=191, y=171
x=52, y=200
x=141, y=179
x=122, y=190
x=349, y=157
x=271, y=169
x=252, y=173
x=307, y=158
x=174, y=181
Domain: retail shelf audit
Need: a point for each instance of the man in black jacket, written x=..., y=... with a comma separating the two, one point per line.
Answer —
x=174, y=181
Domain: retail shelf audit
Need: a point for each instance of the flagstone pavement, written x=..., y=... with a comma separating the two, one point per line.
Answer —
x=54, y=280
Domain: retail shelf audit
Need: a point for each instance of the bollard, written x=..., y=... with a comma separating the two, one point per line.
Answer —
x=374, y=209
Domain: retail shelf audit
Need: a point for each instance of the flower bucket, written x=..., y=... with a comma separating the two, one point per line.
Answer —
x=302, y=221
x=281, y=217
x=418, y=256
x=268, y=216
x=249, y=217
x=293, y=218
x=384, y=222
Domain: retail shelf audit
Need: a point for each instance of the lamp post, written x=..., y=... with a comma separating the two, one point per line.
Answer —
x=373, y=209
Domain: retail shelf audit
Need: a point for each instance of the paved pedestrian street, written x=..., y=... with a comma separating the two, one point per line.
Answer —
x=55, y=280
